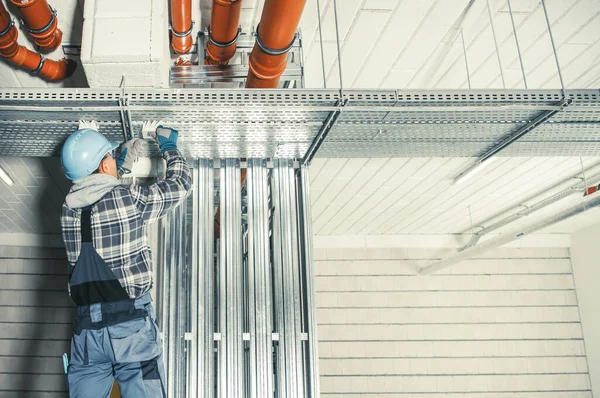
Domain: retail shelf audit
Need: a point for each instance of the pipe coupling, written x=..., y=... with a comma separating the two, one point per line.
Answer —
x=41, y=65
x=224, y=45
x=45, y=28
x=271, y=51
x=184, y=34
x=8, y=28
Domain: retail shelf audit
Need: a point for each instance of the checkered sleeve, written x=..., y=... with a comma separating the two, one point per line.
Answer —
x=157, y=200
x=71, y=233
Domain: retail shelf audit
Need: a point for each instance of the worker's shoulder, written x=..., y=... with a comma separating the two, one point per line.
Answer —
x=123, y=190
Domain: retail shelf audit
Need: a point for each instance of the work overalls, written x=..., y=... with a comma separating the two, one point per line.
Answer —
x=114, y=337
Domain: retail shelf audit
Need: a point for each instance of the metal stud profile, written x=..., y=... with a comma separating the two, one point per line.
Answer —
x=238, y=308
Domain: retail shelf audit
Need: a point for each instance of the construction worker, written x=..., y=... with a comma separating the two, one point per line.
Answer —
x=104, y=226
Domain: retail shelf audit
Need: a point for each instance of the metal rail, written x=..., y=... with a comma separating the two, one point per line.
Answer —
x=286, y=123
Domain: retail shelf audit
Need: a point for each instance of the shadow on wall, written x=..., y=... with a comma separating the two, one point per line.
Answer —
x=47, y=310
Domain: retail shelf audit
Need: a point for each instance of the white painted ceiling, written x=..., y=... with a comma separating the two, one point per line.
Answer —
x=416, y=196
x=398, y=44
x=419, y=43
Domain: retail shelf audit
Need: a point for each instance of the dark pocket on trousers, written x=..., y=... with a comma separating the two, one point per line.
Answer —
x=79, y=354
x=134, y=341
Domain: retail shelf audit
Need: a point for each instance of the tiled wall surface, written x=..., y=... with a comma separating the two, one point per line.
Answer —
x=35, y=322
x=504, y=325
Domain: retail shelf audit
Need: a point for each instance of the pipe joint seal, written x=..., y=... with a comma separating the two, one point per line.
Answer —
x=41, y=65
x=224, y=45
x=184, y=34
x=270, y=51
x=8, y=28
x=45, y=28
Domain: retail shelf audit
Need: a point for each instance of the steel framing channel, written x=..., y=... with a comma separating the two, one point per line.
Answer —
x=513, y=137
x=280, y=368
x=305, y=230
x=325, y=129
x=287, y=275
x=261, y=345
x=174, y=317
x=231, y=345
x=201, y=359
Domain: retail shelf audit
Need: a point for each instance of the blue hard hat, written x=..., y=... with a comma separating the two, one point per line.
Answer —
x=83, y=151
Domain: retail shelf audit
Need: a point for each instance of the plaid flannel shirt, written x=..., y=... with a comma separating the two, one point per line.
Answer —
x=119, y=224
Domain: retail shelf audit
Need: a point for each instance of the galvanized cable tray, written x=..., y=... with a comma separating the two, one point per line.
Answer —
x=217, y=123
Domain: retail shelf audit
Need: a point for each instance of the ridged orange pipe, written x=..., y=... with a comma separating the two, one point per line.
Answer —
x=21, y=56
x=181, y=26
x=41, y=22
x=276, y=31
x=224, y=22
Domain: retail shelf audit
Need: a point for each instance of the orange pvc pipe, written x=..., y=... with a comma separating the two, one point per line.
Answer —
x=181, y=22
x=42, y=23
x=224, y=22
x=276, y=30
x=21, y=56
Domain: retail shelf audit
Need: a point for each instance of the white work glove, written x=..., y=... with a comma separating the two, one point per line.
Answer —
x=88, y=124
x=130, y=151
x=166, y=137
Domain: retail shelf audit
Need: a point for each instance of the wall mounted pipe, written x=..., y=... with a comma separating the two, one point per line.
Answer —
x=275, y=36
x=40, y=20
x=563, y=190
x=27, y=59
x=223, y=31
x=181, y=26
x=589, y=202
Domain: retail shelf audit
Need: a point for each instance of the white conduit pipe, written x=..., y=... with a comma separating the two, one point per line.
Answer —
x=523, y=211
x=586, y=204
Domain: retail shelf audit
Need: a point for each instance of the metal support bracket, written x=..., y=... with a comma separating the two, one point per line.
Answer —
x=223, y=45
x=272, y=51
x=511, y=138
x=125, y=113
x=325, y=129
x=182, y=34
x=8, y=28
x=45, y=28
x=41, y=65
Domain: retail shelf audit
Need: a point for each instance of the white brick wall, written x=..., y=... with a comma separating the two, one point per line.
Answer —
x=584, y=254
x=506, y=324
x=35, y=322
x=128, y=39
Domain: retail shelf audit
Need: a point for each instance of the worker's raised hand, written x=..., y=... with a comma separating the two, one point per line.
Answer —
x=165, y=136
x=130, y=151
